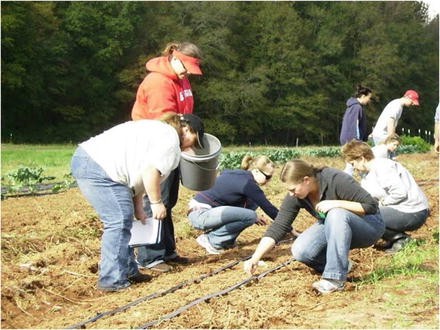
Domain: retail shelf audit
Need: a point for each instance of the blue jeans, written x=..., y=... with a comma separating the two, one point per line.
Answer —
x=223, y=224
x=114, y=204
x=325, y=245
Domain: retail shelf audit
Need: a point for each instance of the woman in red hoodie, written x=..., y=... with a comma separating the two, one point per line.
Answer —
x=166, y=88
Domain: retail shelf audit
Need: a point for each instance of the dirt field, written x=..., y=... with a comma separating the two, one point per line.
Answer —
x=50, y=253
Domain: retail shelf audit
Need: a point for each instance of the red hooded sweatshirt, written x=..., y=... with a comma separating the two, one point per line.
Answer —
x=162, y=91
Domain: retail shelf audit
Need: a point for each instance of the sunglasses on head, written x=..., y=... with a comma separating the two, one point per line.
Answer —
x=268, y=177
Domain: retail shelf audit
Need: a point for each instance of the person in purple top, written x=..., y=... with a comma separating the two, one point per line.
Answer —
x=354, y=122
x=228, y=208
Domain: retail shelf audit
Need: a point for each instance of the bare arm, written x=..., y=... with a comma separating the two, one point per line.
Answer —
x=266, y=243
x=391, y=126
x=151, y=178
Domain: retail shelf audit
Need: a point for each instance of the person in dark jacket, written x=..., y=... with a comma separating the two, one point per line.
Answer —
x=347, y=217
x=228, y=208
x=354, y=123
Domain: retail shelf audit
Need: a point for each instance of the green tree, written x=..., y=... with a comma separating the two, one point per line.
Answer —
x=274, y=72
x=27, y=58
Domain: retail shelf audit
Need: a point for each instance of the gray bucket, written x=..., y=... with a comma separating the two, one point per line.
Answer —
x=198, y=172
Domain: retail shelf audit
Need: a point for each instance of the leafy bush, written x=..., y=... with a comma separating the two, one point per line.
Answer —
x=413, y=144
x=232, y=159
x=68, y=182
x=27, y=177
x=323, y=152
x=32, y=180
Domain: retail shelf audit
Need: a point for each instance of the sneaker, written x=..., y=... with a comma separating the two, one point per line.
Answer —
x=398, y=245
x=325, y=286
x=161, y=267
x=180, y=260
x=204, y=242
x=139, y=278
x=114, y=288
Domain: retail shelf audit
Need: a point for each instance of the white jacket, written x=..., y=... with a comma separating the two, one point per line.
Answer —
x=391, y=183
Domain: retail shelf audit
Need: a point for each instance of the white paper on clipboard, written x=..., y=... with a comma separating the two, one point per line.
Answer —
x=145, y=234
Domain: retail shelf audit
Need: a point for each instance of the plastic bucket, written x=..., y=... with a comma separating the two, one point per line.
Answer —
x=198, y=172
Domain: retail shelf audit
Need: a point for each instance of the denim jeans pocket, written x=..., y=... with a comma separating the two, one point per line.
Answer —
x=84, y=167
x=79, y=166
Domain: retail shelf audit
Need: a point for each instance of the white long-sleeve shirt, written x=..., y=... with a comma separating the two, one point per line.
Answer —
x=391, y=183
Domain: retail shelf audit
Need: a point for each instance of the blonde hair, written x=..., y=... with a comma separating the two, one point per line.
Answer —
x=176, y=121
x=186, y=48
x=261, y=163
x=392, y=138
x=296, y=169
x=173, y=119
x=356, y=149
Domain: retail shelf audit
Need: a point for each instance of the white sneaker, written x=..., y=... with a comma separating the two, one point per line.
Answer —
x=325, y=286
x=204, y=242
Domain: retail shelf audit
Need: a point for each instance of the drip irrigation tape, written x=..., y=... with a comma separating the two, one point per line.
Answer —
x=82, y=325
x=213, y=295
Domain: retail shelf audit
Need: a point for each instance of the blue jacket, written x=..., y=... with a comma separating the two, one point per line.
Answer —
x=237, y=188
x=354, y=123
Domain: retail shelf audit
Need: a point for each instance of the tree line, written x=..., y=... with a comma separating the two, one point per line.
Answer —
x=274, y=72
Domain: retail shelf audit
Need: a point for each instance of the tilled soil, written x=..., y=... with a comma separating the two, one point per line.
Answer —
x=50, y=254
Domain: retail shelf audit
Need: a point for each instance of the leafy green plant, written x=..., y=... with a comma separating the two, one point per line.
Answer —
x=324, y=152
x=27, y=177
x=413, y=144
x=232, y=159
x=68, y=182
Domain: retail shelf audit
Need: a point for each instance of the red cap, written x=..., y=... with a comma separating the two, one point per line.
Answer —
x=413, y=96
x=192, y=64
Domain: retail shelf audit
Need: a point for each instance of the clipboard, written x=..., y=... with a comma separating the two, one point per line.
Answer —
x=145, y=234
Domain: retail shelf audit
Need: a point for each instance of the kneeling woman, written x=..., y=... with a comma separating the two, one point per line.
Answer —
x=402, y=203
x=228, y=208
x=348, y=217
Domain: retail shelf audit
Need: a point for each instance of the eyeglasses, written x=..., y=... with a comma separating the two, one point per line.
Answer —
x=268, y=177
x=183, y=65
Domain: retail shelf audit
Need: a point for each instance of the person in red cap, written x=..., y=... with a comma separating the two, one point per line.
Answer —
x=166, y=88
x=387, y=122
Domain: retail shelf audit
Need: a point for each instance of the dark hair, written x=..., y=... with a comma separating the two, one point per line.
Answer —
x=362, y=90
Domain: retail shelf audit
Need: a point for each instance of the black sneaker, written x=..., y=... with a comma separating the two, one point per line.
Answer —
x=398, y=245
x=139, y=278
x=179, y=260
